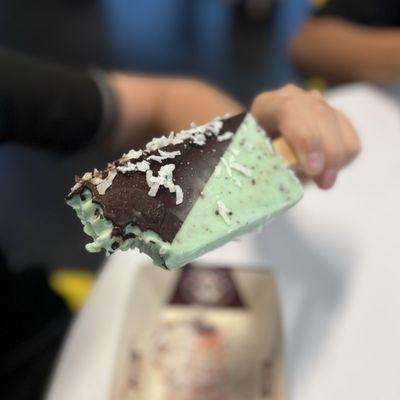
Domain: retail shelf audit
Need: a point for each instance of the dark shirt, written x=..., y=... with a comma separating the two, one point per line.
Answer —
x=382, y=13
x=47, y=105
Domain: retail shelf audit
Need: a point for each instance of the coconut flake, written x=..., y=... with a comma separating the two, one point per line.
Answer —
x=134, y=154
x=164, y=179
x=153, y=190
x=154, y=157
x=241, y=168
x=199, y=139
x=225, y=136
x=143, y=166
x=107, y=182
x=96, y=181
x=169, y=154
x=215, y=126
x=227, y=166
x=179, y=195
x=166, y=170
x=164, y=155
x=131, y=155
x=129, y=167
x=87, y=176
x=224, y=211
x=158, y=143
x=76, y=187
x=149, y=176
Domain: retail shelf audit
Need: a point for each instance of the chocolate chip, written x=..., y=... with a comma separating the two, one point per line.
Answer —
x=116, y=231
x=82, y=196
x=115, y=245
x=253, y=181
x=216, y=212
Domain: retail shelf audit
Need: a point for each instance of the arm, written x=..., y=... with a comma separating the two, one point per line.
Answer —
x=344, y=51
x=54, y=107
x=47, y=105
x=63, y=109
x=150, y=104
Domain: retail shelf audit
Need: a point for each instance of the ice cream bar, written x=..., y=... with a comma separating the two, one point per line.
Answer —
x=187, y=193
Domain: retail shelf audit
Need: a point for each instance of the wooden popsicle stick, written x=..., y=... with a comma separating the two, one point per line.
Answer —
x=285, y=150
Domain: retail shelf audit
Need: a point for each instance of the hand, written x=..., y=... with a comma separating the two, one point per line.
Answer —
x=322, y=137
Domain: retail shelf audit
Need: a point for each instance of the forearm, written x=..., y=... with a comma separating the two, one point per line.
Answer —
x=149, y=105
x=195, y=101
x=47, y=105
x=343, y=51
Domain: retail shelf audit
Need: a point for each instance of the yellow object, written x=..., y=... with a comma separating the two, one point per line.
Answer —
x=72, y=285
x=319, y=3
x=317, y=83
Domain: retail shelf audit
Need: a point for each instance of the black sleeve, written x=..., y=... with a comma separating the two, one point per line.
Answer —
x=368, y=12
x=47, y=105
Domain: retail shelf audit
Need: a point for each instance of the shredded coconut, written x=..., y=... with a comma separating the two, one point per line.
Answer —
x=223, y=211
x=241, y=168
x=149, y=175
x=196, y=135
x=227, y=166
x=134, y=154
x=96, y=180
x=169, y=154
x=225, y=136
x=76, y=187
x=129, y=167
x=107, y=182
x=87, y=176
x=179, y=194
x=143, y=166
x=153, y=190
x=199, y=139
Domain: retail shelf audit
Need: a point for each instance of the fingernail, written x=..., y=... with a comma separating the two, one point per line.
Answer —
x=315, y=162
x=329, y=178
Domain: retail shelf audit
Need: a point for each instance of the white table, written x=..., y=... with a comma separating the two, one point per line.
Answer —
x=336, y=259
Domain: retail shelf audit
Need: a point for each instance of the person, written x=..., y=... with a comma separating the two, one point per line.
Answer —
x=65, y=110
x=350, y=40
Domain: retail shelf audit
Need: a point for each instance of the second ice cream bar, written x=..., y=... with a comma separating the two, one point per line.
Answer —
x=186, y=194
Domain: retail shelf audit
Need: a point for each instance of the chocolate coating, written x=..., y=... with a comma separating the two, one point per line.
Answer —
x=126, y=201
